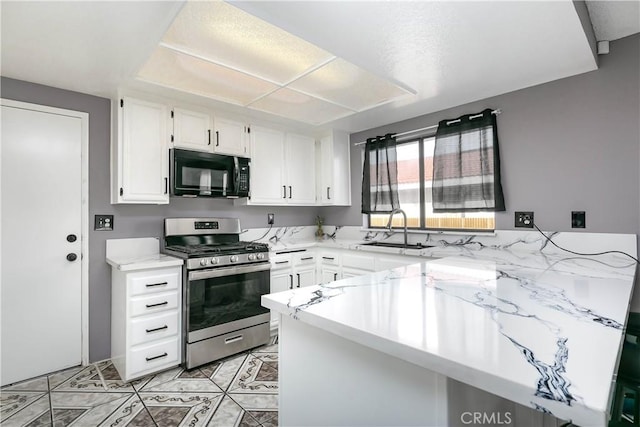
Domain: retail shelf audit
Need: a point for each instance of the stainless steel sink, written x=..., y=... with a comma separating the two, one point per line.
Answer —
x=397, y=245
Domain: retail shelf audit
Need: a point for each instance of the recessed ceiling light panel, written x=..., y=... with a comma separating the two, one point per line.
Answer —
x=346, y=84
x=232, y=37
x=298, y=106
x=190, y=74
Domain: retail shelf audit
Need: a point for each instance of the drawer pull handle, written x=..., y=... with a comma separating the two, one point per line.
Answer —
x=158, y=304
x=306, y=258
x=149, y=359
x=328, y=257
x=157, y=329
x=233, y=339
x=281, y=262
x=151, y=285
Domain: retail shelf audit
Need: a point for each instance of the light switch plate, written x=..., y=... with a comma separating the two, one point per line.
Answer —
x=103, y=223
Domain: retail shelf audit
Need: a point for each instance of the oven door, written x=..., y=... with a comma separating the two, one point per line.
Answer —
x=225, y=299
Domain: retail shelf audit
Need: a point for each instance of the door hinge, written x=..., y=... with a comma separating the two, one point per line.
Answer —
x=121, y=102
x=248, y=129
x=172, y=114
x=121, y=191
x=171, y=138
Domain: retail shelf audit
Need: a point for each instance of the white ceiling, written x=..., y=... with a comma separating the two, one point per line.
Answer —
x=613, y=20
x=450, y=53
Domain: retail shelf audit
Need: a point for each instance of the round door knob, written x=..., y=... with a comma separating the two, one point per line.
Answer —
x=72, y=257
x=71, y=238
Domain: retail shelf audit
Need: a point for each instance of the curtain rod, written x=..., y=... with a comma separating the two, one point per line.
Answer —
x=496, y=112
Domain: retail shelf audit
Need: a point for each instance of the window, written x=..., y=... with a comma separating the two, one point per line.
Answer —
x=415, y=170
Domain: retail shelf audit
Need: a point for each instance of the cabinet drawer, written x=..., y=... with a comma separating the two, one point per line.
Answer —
x=154, y=303
x=281, y=261
x=150, y=358
x=304, y=258
x=145, y=282
x=328, y=258
x=361, y=262
x=154, y=327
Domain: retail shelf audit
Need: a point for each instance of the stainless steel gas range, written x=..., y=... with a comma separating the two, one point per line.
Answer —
x=223, y=280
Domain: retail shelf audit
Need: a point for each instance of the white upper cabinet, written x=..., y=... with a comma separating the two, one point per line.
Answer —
x=195, y=130
x=282, y=168
x=300, y=169
x=334, y=170
x=230, y=137
x=267, y=166
x=191, y=130
x=140, y=153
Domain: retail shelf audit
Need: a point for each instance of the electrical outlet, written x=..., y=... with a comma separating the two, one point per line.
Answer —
x=103, y=223
x=578, y=219
x=524, y=219
x=270, y=218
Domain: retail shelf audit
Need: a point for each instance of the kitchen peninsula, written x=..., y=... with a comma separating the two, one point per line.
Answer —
x=543, y=330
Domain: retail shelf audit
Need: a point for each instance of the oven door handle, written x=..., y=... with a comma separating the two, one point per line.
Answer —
x=228, y=271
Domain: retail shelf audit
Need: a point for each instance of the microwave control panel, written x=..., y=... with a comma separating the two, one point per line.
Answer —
x=243, y=179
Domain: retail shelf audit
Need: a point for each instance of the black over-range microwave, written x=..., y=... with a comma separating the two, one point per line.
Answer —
x=198, y=174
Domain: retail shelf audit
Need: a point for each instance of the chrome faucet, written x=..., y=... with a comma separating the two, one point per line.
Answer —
x=404, y=215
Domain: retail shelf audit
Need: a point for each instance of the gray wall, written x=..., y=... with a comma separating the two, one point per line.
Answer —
x=129, y=220
x=572, y=144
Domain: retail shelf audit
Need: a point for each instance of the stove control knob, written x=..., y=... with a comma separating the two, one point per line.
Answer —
x=261, y=256
x=203, y=262
x=214, y=261
x=251, y=257
x=233, y=258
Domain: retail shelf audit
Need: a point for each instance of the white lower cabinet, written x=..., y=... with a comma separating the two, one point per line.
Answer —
x=290, y=270
x=338, y=264
x=145, y=321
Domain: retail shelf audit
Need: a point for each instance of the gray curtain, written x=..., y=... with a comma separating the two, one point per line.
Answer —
x=466, y=165
x=380, y=175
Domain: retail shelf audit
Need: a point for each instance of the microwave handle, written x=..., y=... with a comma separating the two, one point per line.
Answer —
x=236, y=176
x=224, y=183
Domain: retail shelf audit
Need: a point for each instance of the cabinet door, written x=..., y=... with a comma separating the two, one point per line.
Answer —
x=144, y=151
x=325, y=172
x=191, y=130
x=230, y=137
x=335, y=170
x=281, y=280
x=329, y=275
x=267, y=166
x=304, y=277
x=301, y=171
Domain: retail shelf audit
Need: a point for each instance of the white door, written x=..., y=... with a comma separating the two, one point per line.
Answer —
x=41, y=187
x=301, y=171
x=191, y=130
x=267, y=166
x=230, y=137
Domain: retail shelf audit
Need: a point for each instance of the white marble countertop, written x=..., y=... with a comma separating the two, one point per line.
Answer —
x=541, y=330
x=138, y=254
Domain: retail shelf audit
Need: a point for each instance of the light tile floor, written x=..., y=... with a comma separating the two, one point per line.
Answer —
x=241, y=390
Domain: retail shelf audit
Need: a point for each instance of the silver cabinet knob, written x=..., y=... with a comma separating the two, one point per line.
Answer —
x=251, y=257
x=233, y=258
x=214, y=261
x=203, y=262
